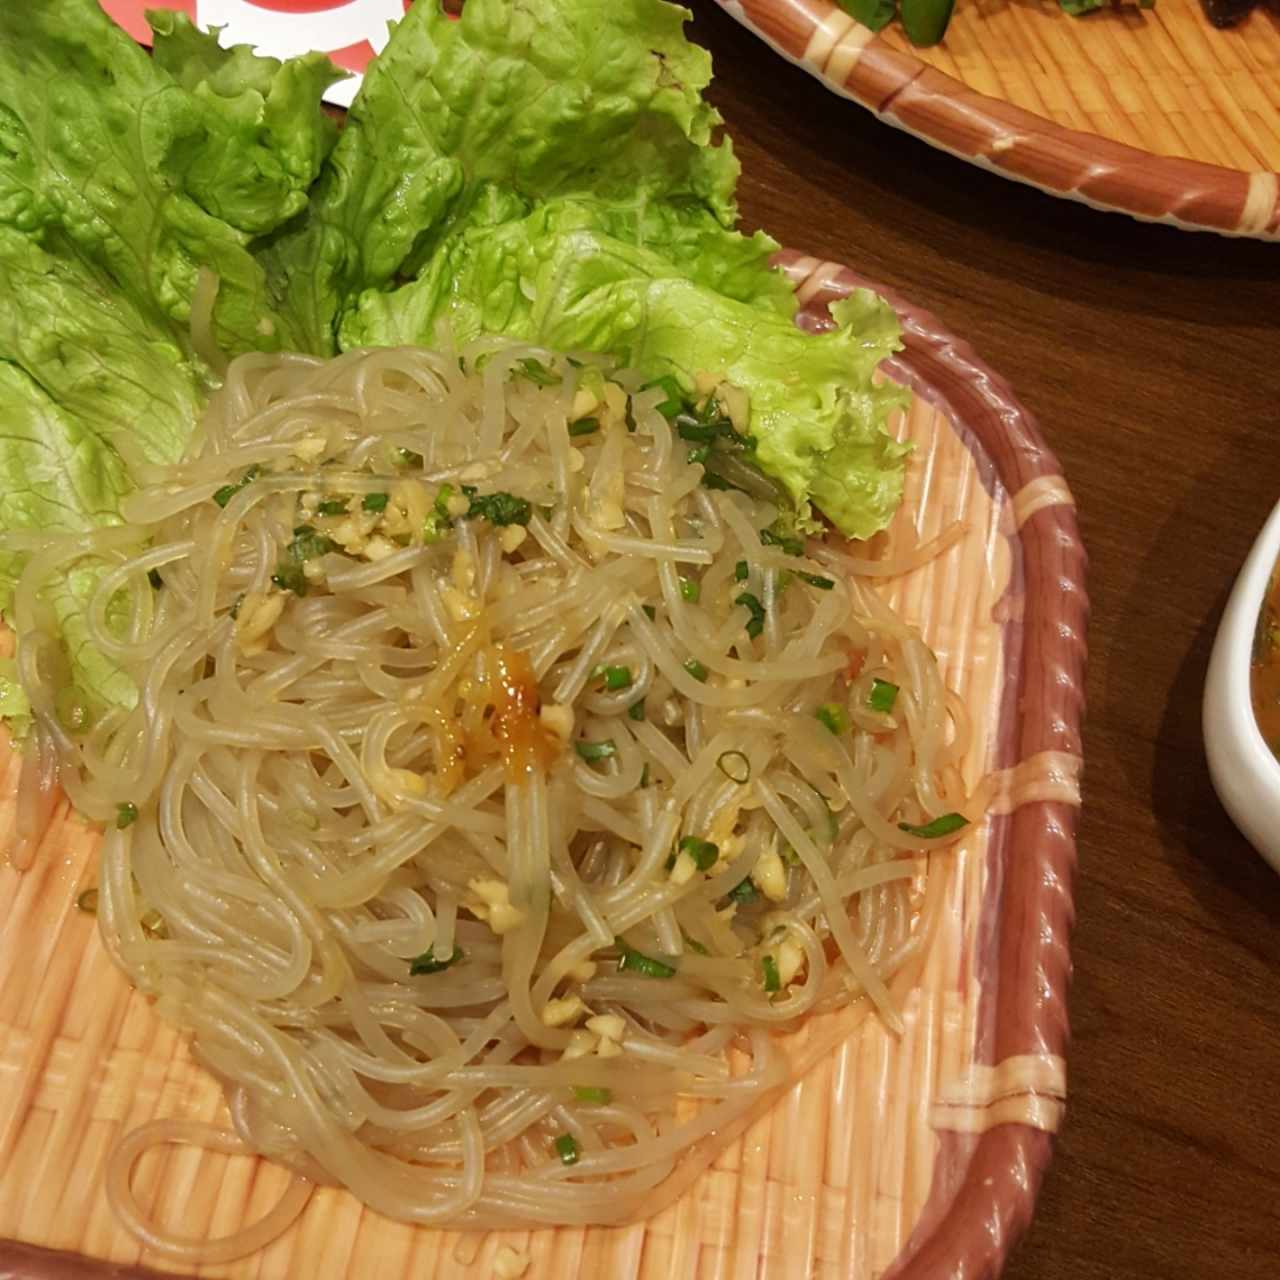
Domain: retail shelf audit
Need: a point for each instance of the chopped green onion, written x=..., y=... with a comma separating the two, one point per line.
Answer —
x=428, y=963
x=332, y=507
x=501, y=509
x=743, y=892
x=584, y=427
x=307, y=543
x=650, y=612
x=695, y=946
x=437, y=522
x=696, y=670
x=568, y=1149
x=740, y=571
x=593, y=1093
x=697, y=431
x=703, y=852
x=375, y=501
x=538, y=373
x=636, y=962
x=153, y=577
x=289, y=577
x=434, y=527
x=409, y=458
x=229, y=491
x=690, y=589
x=791, y=545
x=596, y=750
x=834, y=716
x=126, y=815
x=772, y=979
x=735, y=766
x=644, y=775
x=614, y=677
x=714, y=480
x=235, y=607
x=755, y=624
x=942, y=826
x=707, y=427
x=699, y=453
x=674, y=401
x=636, y=710
x=882, y=696
x=814, y=580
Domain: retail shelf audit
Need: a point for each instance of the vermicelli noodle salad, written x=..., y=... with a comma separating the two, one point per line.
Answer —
x=502, y=758
x=440, y=565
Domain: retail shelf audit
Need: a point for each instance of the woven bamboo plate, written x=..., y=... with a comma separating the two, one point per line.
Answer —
x=1150, y=112
x=911, y=1158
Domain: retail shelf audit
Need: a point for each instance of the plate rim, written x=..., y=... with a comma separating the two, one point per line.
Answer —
x=1002, y=1166
x=977, y=1221
x=904, y=91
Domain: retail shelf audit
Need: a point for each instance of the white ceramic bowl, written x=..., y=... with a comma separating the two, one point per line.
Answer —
x=1245, y=772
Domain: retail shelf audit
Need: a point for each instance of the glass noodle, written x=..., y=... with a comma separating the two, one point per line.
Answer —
x=490, y=778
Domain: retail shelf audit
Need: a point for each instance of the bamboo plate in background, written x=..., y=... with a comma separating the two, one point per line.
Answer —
x=893, y=1158
x=1150, y=112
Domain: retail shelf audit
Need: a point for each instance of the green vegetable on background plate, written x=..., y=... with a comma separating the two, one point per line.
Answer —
x=925, y=22
x=545, y=171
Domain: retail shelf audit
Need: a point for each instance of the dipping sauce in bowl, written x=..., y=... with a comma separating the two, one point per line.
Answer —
x=1242, y=697
x=1264, y=670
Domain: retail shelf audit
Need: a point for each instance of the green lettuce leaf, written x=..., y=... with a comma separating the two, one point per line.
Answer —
x=60, y=478
x=548, y=169
x=266, y=134
x=120, y=176
x=567, y=192
x=479, y=121
x=123, y=384
x=817, y=416
x=15, y=709
x=108, y=158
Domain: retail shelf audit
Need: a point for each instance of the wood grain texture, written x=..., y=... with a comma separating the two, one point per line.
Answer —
x=1149, y=359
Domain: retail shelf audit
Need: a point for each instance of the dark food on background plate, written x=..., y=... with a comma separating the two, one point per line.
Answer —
x=925, y=22
x=1227, y=13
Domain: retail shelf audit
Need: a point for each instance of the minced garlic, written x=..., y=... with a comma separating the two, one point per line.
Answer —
x=558, y=1012
x=769, y=875
x=258, y=614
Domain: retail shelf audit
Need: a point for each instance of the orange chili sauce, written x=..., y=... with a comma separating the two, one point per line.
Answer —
x=525, y=742
x=499, y=717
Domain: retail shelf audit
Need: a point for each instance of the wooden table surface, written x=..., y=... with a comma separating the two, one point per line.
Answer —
x=1151, y=359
